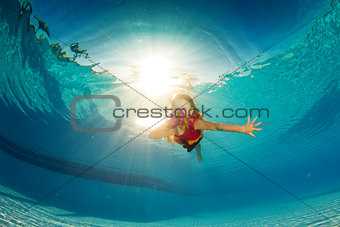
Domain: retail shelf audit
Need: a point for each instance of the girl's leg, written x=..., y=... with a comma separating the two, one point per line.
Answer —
x=199, y=155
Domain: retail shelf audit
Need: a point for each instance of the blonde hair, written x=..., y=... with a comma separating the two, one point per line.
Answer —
x=195, y=113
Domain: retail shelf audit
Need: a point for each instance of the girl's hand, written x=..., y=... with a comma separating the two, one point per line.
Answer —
x=178, y=130
x=249, y=127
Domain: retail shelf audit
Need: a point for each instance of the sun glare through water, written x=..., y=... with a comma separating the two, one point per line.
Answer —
x=155, y=75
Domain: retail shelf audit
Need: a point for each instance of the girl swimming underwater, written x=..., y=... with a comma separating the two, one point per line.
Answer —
x=186, y=125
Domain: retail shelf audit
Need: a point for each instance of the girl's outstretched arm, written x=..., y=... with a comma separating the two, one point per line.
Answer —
x=247, y=128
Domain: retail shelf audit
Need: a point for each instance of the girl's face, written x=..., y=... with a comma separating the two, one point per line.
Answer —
x=182, y=104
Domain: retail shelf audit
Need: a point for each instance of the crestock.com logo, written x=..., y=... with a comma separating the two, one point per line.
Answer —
x=119, y=113
x=73, y=112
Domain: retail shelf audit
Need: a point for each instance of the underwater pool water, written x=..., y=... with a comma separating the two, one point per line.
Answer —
x=51, y=174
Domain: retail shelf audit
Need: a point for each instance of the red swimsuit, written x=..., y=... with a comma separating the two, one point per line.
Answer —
x=191, y=137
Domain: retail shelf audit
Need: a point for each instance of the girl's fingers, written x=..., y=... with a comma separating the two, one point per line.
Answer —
x=257, y=124
x=252, y=135
x=254, y=120
x=257, y=129
x=248, y=118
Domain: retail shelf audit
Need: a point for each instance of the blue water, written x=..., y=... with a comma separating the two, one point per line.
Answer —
x=51, y=174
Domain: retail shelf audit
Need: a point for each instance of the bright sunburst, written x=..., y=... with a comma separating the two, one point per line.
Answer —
x=154, y=75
